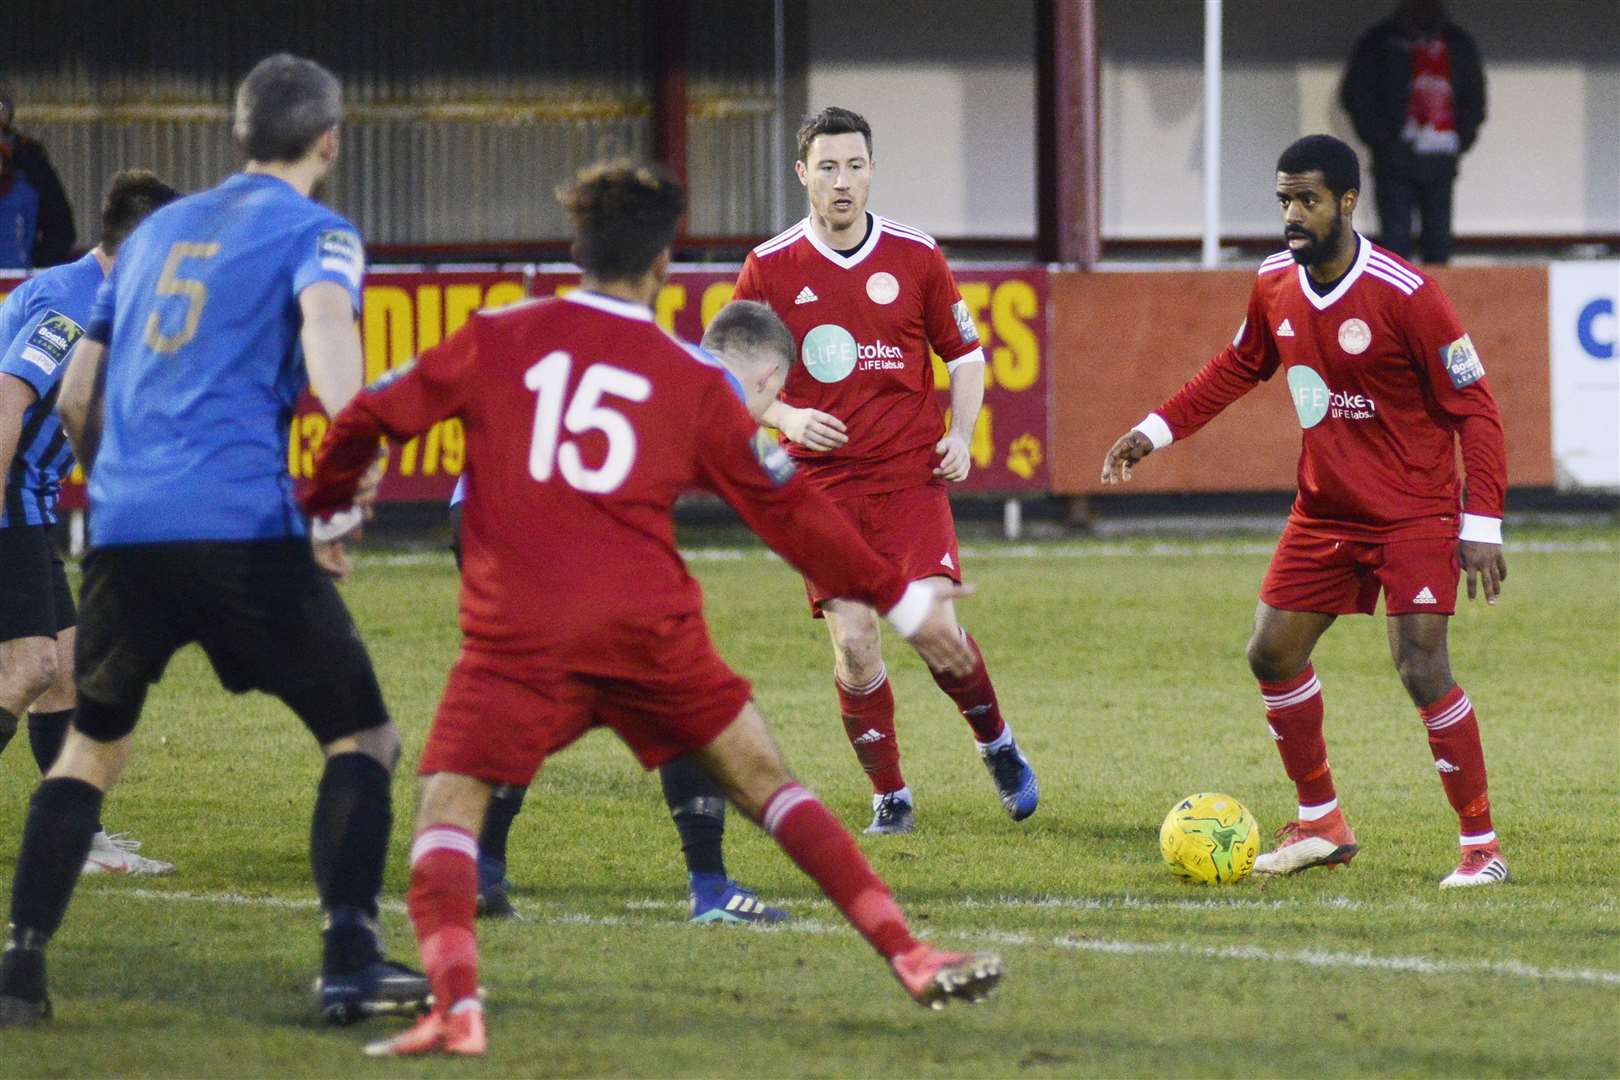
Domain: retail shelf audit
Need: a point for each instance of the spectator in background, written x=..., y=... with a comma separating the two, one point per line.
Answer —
x=36, y=222
x=1415, y=91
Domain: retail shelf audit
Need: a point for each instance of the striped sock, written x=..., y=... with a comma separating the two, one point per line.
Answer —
x=442, y=900
x=1460, y=760
x=1294, y=716
x=868, y=714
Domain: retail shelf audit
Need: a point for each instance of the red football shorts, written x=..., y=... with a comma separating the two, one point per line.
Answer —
x=911, y=528
x=501, y=716
x=1312, y=572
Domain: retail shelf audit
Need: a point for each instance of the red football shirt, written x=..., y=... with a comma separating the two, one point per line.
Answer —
x=584, y=423
x=863, y=324
x=1383, y=378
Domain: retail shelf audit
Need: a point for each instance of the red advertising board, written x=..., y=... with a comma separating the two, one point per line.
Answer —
x=406, y=311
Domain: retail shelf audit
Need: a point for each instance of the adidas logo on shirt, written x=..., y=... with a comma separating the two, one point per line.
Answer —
x=806, y=296
x=1445, y=766
x=1424, y=596
x=871, y=735
x=1285, y=330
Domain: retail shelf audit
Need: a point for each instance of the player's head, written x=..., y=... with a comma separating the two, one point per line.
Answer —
x=1318, y=184
x=132, y=195
x=287, y=110
x=756, y=346
x=624, y=217
x=835, y=165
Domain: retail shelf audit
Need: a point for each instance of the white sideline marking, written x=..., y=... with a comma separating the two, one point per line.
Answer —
x=1414, y=965
x=1158, y=549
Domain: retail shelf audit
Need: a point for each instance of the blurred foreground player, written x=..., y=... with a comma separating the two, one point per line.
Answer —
x=865, y=298
x=40, y=322
x=755, y=351
x=584, y=422
x=222, y=308
x=1385, y=382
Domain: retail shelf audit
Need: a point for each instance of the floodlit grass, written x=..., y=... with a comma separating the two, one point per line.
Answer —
x=1120, y=666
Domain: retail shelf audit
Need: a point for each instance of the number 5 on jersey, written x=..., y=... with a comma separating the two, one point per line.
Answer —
x=170, y=283
x=584, y=413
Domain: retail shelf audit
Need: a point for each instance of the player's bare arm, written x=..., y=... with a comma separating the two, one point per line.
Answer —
x=967, y=398
x=1483, y=564
x=79, y=402
x=809, y=428
x=1127, y=450
x=336, y=366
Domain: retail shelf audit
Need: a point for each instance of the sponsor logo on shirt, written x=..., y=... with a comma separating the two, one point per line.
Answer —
x=1462, y=362
x=48, y=346
x=340, y=250
x=964, y=323
x=1354, y=336
x=773, y=459
x=1315, y=401
x=830, y=353
x=882, y=287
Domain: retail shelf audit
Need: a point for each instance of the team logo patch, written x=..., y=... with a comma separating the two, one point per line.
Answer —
x=1462, y=362
x=829, y=353
x=340, y=250
x=773, y=459
x=48, y=346
x=1354, y=337
x=965, y=325
x=882, y=287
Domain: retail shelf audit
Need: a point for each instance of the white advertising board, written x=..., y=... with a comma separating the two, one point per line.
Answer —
x=1584, y=320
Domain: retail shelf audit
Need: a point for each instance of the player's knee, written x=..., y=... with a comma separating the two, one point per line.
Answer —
x=380, y=742
x=105, y=723
x=32, y=668
x=860, y=654
x=1271, y=660
x=1425, y=673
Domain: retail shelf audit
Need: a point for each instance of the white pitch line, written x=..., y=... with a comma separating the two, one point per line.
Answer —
x=1408, y=965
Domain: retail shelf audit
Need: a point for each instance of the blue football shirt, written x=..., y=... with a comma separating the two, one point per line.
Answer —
x=40, y=322
x=201, y=321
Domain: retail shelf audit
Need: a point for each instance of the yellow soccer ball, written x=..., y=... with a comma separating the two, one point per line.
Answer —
x=1210, y=838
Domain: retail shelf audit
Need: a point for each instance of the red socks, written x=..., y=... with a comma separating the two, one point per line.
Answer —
x=1460, y=760
x=442, y=900
x=824, y=850
x=1294, y=714
x=974, y=696
x=868, y=714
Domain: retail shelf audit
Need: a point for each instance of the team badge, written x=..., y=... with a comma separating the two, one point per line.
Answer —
x=48, y=346
x=965, y=326
x=882, y=288
x=1462, y=362
x=1354, y=337
x=340, y=250
x=773, y=459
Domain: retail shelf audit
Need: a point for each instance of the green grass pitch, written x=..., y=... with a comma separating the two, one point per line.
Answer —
x=1120, y=667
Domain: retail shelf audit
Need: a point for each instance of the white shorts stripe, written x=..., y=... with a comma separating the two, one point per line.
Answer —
x=443, y=838
x=786, y=801
x=1292, y=697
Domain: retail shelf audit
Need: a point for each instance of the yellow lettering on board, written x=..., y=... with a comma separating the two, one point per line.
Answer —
x=715, y=297
x=386, y=328
x=1017, y=360
x=671, y=299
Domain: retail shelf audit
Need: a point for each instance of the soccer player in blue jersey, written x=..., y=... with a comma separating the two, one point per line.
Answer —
x=224, y=305
x=755, y=350
x=39, y=324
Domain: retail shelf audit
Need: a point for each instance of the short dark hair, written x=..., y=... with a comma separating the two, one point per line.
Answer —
x=1341, y=169
x=132, y=195
x=833, y=121
x=624, y=216
x=749, y=326
x=283, y=105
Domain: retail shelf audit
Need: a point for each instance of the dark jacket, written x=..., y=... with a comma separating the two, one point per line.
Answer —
x=1376, y=86
x=55, y=235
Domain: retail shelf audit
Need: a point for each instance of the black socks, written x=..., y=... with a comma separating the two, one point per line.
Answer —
x=348, y=847
x=699, y=809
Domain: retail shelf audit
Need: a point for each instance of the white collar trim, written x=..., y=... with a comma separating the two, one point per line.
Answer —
x=622, y=308
x=1322, y=303
x=847, y=262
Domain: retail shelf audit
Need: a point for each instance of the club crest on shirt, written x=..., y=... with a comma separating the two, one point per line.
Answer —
x=1354, y=336
x=1462, y=362
x=48, y=346
x=965, y=325
x=882, y=287
x=773, y=459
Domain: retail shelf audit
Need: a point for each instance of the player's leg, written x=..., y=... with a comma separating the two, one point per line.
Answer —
x=698, y=807
x=494, y=888
x=866, y=705
x=27, y=624
x=27, y=669
x=1434, y=190
x=1393, y=191
x=745, y=762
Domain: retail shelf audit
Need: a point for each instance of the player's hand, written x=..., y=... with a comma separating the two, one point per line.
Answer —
x=939, y=640
x=331, y=557
x=1127, y=450
x=813, y=429
x=1484, y=562
x=956, y=461
x=365, y=496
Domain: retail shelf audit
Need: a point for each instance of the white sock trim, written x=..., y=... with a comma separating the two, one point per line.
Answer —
x=784, y=803
x=1319, y=811
x=862, y=691
x=998, y=742
x=469, y=1004
x=443, y=838
x=1477, y=839
x=1292, y=697
x=903, y=792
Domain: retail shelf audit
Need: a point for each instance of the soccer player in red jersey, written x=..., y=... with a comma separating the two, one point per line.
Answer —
x=584, y=423
x=1384, y=379
x=865, y=297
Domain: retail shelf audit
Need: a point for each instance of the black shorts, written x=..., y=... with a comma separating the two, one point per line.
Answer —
x=35, y=600
x=266, y=615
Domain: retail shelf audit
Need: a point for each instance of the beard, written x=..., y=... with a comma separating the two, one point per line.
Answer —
x=1317, y=250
